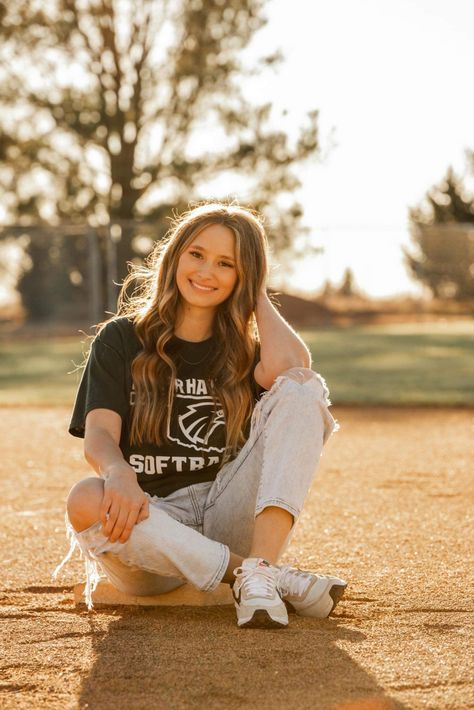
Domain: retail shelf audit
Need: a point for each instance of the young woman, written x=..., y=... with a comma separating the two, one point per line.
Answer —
x=201, y=476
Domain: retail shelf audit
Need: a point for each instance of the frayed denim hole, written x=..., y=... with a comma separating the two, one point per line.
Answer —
x=321, y=396
x=306, y=377
x=90, y=564
x=301, y=375
x=332, y=425
x=313, y=379
x=325, y=389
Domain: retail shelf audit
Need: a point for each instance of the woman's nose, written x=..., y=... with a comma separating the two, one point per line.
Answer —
x=206, y=269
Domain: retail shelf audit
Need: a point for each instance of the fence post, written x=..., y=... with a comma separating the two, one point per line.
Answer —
x=113, y=236
x=95, y=263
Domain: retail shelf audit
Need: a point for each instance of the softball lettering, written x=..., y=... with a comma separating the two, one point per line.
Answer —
x=153, y=465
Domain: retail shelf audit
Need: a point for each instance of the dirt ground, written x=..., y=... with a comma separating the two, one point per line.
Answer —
x=390, y=510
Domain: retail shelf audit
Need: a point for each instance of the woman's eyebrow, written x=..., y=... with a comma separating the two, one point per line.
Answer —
x=221, y=256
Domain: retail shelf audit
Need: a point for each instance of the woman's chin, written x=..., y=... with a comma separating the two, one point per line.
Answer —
x=196, y=302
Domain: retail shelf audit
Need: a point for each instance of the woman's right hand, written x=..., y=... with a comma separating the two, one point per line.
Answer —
x=124, y=503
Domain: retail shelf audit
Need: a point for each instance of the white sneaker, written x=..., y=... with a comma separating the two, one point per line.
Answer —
x=256, y=596
x=310, y=594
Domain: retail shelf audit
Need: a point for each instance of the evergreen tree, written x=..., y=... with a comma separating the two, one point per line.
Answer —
x=347, y=287
x=327, y=289
x=442, y=228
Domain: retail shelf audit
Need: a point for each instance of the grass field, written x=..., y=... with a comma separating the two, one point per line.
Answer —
x=405, y=364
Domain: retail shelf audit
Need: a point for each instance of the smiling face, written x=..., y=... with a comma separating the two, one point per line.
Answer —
x=206, y=272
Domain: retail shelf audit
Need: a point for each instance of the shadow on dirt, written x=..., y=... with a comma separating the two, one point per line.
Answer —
x=186, y=657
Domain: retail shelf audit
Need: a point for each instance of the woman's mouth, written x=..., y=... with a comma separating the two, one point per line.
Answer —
x=203, y=289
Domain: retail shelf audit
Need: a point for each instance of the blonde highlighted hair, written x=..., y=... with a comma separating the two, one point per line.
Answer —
x=153, y=307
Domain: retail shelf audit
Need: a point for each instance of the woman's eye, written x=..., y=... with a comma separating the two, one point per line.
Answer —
x=198, y=255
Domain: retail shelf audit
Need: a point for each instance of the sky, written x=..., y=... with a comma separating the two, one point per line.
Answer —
x=393, y=81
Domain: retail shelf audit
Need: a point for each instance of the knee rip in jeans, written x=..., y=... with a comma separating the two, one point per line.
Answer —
x=299, y=374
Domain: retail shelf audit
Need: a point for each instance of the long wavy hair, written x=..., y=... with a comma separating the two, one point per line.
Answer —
x=152, y=305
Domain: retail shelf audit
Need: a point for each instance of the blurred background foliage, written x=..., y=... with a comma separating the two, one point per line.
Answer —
x=115, y=114
x=111, y=116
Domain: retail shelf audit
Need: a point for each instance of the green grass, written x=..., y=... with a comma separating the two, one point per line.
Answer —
x=423, y=363
x=406, y=364
x=40, y=371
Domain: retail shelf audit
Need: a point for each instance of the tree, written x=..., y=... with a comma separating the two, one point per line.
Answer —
x=443, y=231
x=105, y=105
x=327, y=290
x=347, y=287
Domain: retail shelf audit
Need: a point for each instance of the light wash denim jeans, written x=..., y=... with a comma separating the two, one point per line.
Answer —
x=189, y=534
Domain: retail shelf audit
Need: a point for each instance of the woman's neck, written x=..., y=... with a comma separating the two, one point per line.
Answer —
x=193, y=327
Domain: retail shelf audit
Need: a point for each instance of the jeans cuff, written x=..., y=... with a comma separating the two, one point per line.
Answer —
x=217, y=577
x=278, y=503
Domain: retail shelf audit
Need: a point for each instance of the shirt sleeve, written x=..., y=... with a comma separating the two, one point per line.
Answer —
x=103, y=383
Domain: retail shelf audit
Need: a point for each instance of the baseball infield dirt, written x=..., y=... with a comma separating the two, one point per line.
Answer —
x=390, y=511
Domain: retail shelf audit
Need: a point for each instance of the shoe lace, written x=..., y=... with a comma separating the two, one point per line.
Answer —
x=293, y=581
x=257, y=581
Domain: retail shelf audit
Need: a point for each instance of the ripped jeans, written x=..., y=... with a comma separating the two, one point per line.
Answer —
x=189, y=533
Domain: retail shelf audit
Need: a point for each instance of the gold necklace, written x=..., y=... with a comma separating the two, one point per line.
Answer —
x=199, y=361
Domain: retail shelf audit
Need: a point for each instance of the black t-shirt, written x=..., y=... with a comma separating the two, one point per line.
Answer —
x=196, y=439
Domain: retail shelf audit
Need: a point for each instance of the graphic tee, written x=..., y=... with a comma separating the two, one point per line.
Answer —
x=196, y=443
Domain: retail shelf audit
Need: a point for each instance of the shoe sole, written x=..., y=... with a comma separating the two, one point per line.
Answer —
x=261, y=619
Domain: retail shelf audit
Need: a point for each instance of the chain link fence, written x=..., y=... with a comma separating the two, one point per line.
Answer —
x=69, y=272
